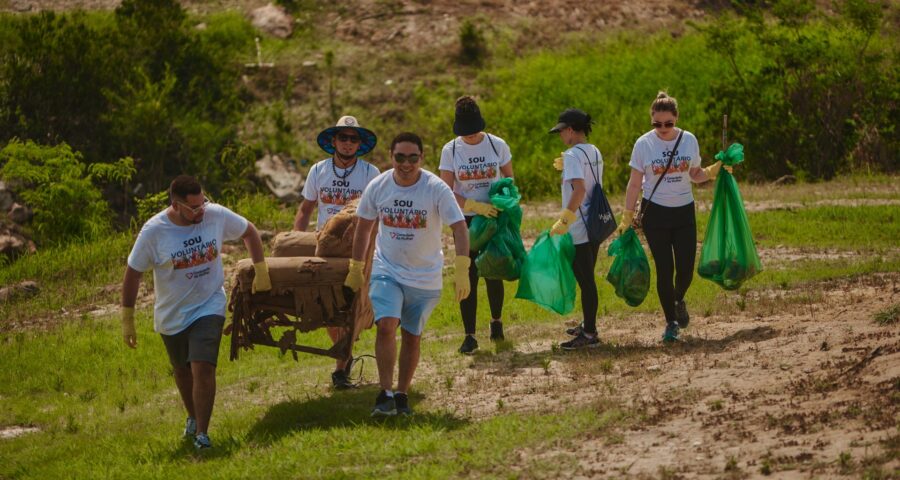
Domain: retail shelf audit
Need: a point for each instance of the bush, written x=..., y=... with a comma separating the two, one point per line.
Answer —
x=141, y=83
x=60, y=189
x=471, y=42
x=809, y=95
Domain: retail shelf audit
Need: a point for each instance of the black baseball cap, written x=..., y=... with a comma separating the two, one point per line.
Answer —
x=572, y=117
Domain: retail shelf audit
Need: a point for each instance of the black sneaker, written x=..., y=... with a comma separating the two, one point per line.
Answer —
x=581, y=341
x=671, y=333
x=401, y=400
x=575, y=331
x=469, y=345
x=496, y=331
x=384, y=406
x=341, y=380
x=681, y=314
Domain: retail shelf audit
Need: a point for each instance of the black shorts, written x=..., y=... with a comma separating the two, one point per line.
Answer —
x=197, y=343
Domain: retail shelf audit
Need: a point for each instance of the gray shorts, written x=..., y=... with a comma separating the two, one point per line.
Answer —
x=197, y=343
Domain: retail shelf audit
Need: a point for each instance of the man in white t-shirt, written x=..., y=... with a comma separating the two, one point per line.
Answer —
x=470, y=163
x=410, y=206
x=181, y=245
x=331, y=184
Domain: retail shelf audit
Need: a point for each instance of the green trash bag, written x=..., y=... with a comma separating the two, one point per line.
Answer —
x=501, y=250
x=547, y=277
x=630, y=271
x=728, y=256
x=480, y=231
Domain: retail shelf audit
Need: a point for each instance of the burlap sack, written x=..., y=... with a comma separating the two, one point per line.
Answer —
x=336, y=237
x=294, y=244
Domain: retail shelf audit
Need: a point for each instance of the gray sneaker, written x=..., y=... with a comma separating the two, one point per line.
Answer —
x=201, y=441
x=401, y=400
x=671, y=333
x=581, y=341
x=190, y=427
x=384, y=406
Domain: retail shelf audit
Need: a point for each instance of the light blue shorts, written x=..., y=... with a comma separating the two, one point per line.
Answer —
x=411, y=305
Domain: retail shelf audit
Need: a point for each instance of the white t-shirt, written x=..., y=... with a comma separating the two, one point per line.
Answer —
x=589, y=168
x=187, y=269
x=332, y=192
x=475, y=167
x=408, y=245
x=651, y=154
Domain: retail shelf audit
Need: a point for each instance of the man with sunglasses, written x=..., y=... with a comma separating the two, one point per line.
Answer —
x=331, y=184
x=410, y=205
x=181, y=245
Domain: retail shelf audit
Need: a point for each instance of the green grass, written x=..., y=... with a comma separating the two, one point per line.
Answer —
x=106, y=411
x=888, y=316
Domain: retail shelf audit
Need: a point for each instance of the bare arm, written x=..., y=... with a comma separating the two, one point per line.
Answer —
x=361, y=237
x=253, y=243
x=130, y=285
x=506, y=170
x=450, y=178
x=460, y=238
x=578, y=193
x=633, y=191
x=304, y=211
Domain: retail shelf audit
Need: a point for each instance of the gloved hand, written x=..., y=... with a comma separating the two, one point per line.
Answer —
x=558, y=162
x=627, y=220
x=480, y=208
x=261, y=281
x=355, y=277
x=128, y=331
x=712, y=171
x=566, y=217
x=461, y=277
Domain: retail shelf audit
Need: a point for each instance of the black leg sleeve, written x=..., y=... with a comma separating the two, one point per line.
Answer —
x=660, y=242
x=685, y=245
x=469, y=306
x=583, y=267
x=495, y=297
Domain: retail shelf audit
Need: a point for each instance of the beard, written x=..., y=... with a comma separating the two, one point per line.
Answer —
x=344, y=159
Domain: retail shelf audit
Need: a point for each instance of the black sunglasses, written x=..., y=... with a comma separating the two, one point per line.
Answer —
x=661, y=124
x=347, y=138
x=411, y=158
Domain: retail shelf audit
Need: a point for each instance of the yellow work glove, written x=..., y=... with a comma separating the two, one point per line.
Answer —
x=461, y=277
x=712, y=171
x=261, y=281
x=558, y=162
x=128, y=332
x=480, y=208
x=355, y=277
x=627, y=220
x=566, y=217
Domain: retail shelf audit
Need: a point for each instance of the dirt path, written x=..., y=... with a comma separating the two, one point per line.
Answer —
x=813, y=390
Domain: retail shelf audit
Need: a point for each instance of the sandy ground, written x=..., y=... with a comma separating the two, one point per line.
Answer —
x=790, y=391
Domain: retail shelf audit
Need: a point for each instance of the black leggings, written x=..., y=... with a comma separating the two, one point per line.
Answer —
x=672, y=236
x=583, y=266
x=469, y=306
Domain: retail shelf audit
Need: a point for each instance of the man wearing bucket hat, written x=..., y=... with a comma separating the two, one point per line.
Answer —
x=470, y=163
x=331, y=184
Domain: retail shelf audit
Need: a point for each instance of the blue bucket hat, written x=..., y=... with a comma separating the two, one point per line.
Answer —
x=367, y=137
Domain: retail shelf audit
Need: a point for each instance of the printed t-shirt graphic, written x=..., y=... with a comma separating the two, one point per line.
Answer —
x=187, y=269
x=578, y=165
x=333, y=192
x=651, y=154
x=475, y=166
x=408, y=247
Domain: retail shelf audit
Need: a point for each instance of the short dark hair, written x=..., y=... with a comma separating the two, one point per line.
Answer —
x=184, y=185
x=407, y=137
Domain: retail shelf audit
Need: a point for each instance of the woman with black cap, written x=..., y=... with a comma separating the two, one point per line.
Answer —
x=582, y=168
x=470, y=163
x=664, y=163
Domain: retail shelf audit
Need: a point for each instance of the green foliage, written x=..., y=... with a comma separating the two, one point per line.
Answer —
x=140, y=83
x=810, y=95
x=472, y=47
x=60, y=188
x=149, y=206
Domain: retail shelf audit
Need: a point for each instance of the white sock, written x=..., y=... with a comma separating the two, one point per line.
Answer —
x=495, y=320
x=389, y=393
